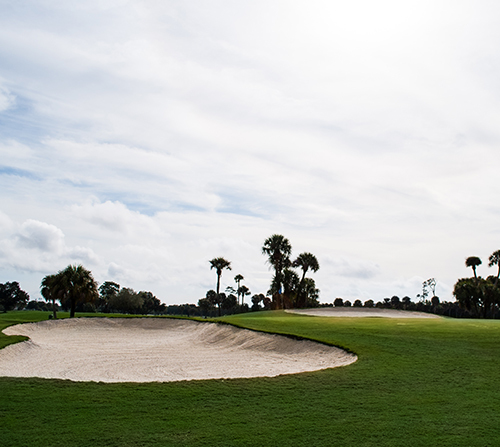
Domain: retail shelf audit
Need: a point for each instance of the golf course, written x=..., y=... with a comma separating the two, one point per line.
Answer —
x=416, y=382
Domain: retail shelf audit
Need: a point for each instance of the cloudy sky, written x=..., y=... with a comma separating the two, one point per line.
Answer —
x=143, y=138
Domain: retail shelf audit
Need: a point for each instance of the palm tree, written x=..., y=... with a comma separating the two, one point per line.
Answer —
x=51, y=292
x=278, y=250
x=238, y=278
x=243, y=291
x=79, y=285
x=219, y=264
x=495, y=260
x=473, y=261
x=305, y=261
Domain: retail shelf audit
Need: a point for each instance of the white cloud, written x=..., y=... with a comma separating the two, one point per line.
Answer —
x=351, y=268
x=41, y=236
x=148, y=137
x=7, y=99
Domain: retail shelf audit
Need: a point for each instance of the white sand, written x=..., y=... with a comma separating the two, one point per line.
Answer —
x=361, y=312
x=157, y=349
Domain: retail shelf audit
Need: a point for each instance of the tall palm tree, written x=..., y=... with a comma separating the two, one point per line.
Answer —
x=278, y=249
x=51, y=291
x=219, y=264
x=473, y=261
x=306, y=261
x=495, y=260
x=238, y=278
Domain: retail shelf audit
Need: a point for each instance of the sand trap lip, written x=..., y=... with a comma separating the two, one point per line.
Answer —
x=361, y=312
x=157, y=350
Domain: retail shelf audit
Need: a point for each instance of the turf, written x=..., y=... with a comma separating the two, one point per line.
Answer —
x=416, y=383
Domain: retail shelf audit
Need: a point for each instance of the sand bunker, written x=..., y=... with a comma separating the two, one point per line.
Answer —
x=361, y=312
x=157, y=349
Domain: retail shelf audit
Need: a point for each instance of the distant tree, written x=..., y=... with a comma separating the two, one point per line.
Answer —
x=237, y=279
x=243, y=291
x=357, y=303
x=425, y=293
x=434, y=301
x=310, y=292
x=305, y=261
x=290, y=287
x=126, y=301
x=219, y=264
x=72, y=286
x=206, y=306
x=38, y=305
x=151, y=304
x=395, y=302
x=107, y=290
x=256, y=300
x=52, y=290
x=431, y=284
x=468, y=294
x=347, y=303
x=213, y=297
x=473, y=262
x=278, y=250
x=406, y=302
x=368, y=303
x=339, y=302
x=267, y=303
x=494, y=259
x=12, y=296
x=229, y=303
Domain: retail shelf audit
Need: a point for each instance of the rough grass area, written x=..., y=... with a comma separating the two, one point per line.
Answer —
x=416, y=383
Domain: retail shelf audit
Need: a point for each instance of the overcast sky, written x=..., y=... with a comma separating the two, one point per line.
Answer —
x=144, y=138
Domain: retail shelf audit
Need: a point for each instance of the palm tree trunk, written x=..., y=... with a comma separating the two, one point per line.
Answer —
x=301, y=299
x=218, y=295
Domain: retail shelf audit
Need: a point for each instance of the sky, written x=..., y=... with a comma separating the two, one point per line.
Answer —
x=143, y=138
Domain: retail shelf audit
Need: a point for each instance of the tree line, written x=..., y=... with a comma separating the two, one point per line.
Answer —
x=76, y=290
x=480, y=297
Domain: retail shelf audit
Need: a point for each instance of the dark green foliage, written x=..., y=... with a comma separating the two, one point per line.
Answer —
x=287, y=288
x=12, y=296
x=72, y=286
x=129, y=301
x=38, y=305
x=479, y=296
x=107, y=291
x=416, y=383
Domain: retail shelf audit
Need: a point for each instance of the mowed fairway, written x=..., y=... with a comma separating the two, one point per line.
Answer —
x=417, y=382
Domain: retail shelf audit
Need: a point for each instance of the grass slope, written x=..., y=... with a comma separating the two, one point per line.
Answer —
x=416, y=383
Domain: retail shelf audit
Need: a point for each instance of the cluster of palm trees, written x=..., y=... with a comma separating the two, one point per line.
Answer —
x=479, y=296
x=71, y=286
x=287, y=289
x=216, y=298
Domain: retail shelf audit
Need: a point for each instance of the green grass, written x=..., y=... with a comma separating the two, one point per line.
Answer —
x=416, y=383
